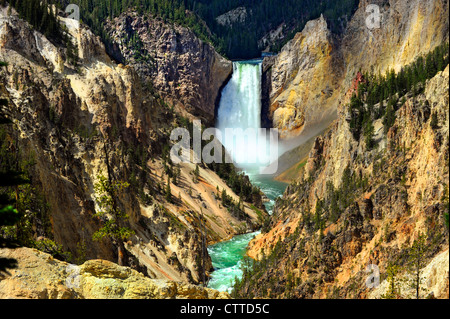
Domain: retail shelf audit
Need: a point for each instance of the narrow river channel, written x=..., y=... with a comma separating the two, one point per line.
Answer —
x=227, y=256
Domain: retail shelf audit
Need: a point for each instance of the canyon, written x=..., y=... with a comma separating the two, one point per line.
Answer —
x=80, y=121
x=347, y=205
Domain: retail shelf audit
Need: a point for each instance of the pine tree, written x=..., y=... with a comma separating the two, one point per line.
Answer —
x=389, y=117
x=430, y=66
x=434, y=123
x=393, y=291
x=369, y=131
x=110, y=215
x=176, y=174
x=356, y=111
x=380, y=111
x=168, y=191
x=446, y=217
x=196, y=174
x=417, y=262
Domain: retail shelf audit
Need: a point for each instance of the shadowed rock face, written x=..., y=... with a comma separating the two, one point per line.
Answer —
x=184, y=70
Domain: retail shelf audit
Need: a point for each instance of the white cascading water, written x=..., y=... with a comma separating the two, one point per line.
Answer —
x=240, y=108
x=240, y=104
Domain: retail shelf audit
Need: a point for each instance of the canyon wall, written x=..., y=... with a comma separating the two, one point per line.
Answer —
x=311, y=75
x=304, y=80
x=186, y=71
x=352, y=206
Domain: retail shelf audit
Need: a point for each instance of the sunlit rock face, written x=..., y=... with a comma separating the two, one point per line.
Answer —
x=310, y=76
x=407, y=173
x=304, y=80
x=39, y=276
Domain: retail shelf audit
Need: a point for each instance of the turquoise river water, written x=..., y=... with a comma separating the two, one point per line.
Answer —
x=227, y=256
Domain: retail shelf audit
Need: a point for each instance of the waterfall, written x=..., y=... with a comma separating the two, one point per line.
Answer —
x=240, y=108
x=240, y=104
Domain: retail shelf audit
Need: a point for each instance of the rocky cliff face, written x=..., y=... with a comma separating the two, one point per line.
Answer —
x=77, y=122
x=312, y=73
x=304, y=80
x=40, y=276
x=353, y=207
x=187, y=72
x=408, y=29
x=229, y=18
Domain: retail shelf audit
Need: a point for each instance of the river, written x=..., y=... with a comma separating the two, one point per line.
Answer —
x=227, y=256
x=240, y=107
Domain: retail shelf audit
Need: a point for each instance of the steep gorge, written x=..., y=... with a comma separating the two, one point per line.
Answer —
x=78, y=121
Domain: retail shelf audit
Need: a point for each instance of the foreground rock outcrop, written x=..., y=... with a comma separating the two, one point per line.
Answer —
x=40, y=276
